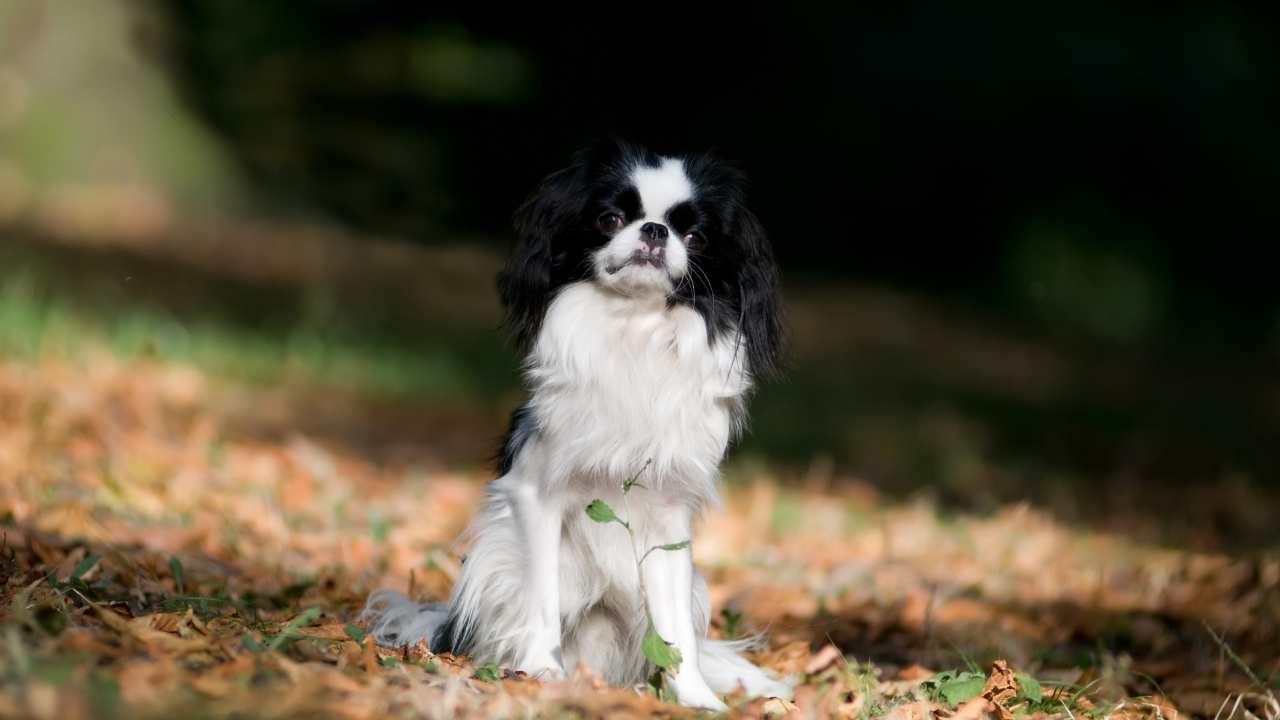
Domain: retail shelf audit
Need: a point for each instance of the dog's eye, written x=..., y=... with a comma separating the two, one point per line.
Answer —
x=609, y=222
x=695, y=240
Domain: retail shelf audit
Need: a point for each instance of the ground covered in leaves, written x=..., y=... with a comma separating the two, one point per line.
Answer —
x=161, y=557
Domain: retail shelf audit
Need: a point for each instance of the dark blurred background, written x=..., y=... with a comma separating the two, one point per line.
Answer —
x=1029, y=249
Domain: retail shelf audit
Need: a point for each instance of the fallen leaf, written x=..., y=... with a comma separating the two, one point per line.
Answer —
x=823, y=659
x=163, y=622
x=912, y=673
x=332, y=631
x=372, y=666
x=912, y=711
x=975, y=709
x=1001, y=687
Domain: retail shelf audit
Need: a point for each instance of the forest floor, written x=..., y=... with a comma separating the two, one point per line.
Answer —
x=196, y=499
x=161, y=558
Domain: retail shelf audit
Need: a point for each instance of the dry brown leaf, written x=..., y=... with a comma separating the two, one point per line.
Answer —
x=158, y=642
x=1001, y=687
x=766, y=708
x=372, y=665
x=332, y=631
x=163, y=622
x=778, y=707
x=112, y=620
x=788, y=659
x=806, y=698
x=143, y=681
x=912, y=711
x=826, y=657
x=915, y=673
x=211, y=685
x=191, y=621
x=978, y=708
x=835, y=701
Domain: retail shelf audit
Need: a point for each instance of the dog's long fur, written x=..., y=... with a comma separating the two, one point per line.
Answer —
x=639, y=358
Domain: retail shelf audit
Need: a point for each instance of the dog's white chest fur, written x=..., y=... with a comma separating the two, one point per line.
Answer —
x=620, y=382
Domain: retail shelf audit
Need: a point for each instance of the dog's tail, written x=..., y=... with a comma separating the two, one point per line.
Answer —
x=725, y=669
x=395, y=620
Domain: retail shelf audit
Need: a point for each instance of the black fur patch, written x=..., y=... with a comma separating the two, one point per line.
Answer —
x=682, y=217
x=453, y=637
x=522, y=426
x=628, y=201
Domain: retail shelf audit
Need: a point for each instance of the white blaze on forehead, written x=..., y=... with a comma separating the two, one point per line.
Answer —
x=662, y=187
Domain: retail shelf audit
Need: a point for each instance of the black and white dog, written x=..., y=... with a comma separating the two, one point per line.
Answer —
x=644, y=295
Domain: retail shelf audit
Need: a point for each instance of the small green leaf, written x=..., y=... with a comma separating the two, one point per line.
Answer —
x=732, y=620
x=251, y=643
x=962, y=688
x=388, y=661
x=488, y=672
x=104, y=694
x=600, y=511
x=668, y=547
x=380, y=528
x=659, y=651
x=634, y=480
x=84, y=566
x=179, y=579
x=354, y=633
x=1029, y=688
x=306, y=617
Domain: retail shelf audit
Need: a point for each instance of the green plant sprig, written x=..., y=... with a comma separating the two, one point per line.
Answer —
x=658, y=651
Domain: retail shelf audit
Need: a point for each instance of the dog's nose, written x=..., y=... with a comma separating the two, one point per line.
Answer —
x=654, y=235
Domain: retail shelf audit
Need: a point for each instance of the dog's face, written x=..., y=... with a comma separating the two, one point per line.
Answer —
x=645, y=226
x=649, y=230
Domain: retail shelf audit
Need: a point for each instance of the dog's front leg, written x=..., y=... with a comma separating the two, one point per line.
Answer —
x=540, y=517
x=668, y=580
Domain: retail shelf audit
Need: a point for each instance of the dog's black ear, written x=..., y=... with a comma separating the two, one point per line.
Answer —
x=525, y=283
x=762, y=324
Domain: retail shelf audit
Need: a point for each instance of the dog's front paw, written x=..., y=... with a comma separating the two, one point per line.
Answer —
x=695, y=693
x=542, y=665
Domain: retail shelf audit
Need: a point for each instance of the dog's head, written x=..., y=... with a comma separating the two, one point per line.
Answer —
x=646, y=226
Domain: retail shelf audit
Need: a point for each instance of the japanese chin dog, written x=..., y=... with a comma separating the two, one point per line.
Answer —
x=644, y=296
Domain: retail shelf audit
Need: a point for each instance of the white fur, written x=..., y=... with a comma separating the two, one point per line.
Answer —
x=620, y=381
x=660, y=189
x=663, y=186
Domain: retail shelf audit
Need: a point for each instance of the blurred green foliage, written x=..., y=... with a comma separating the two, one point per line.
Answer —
x=450, y=67
x=1087, y=287
x=80, y=107
x=36, y=321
